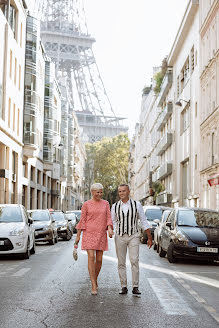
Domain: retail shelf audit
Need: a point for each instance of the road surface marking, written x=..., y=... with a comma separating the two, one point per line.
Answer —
x=170, y=300
x=21, y=272
x=213, y=313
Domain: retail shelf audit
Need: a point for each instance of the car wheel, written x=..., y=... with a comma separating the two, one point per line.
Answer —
x=56, y=239
x=155, y=246
x=158, y=247
x=52, y=241
x=33, y=249
x=162, y=253
x=27, y=253
x=69, y=235
x=170, y=256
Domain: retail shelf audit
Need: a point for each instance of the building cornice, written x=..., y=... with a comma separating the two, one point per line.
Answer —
x=210, y=16
x=9, y=135
x=183, y=30
x=209, y=119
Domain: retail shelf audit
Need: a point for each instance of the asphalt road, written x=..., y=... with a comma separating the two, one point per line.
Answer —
x=52, y=290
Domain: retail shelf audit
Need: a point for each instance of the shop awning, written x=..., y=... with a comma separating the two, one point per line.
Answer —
x=214, y=180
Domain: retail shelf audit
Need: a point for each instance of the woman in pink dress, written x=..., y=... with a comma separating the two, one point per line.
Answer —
x=95, y=221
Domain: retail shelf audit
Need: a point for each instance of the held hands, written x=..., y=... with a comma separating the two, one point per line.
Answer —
x=110, y=232
x=149, y=242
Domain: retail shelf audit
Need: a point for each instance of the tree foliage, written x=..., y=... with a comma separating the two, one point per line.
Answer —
x=108, y=159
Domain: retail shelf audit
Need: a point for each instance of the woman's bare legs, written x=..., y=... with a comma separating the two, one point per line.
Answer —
x=99, y=256
x=92, y=268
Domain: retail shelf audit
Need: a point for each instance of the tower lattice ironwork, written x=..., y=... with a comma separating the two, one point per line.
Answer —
x=66, y=40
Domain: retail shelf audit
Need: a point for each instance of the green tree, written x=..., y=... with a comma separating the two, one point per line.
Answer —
x=109, y=158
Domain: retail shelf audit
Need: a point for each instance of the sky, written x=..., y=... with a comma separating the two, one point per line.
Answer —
x=132, y=37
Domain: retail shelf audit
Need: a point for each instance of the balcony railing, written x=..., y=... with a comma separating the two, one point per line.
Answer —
x=166, y=113
x=164, y=143
x=165, y=86
x=164, y=170
x=164, y=198
x=55, y=192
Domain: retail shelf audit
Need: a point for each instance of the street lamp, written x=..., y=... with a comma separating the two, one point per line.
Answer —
x=178, y=103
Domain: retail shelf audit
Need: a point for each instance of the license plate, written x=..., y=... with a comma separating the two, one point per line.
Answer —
x=207, y=250
x=2, y=242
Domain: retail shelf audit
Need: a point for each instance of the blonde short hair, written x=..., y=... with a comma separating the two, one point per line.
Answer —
x=96, y=186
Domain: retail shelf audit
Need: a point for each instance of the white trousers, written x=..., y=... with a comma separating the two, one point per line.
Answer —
x=132, y=243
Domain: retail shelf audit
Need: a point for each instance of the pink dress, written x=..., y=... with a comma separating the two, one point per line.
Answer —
x=95, y=218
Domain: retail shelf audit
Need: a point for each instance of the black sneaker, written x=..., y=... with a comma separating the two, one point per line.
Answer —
x=135, y=291
x=123, y=291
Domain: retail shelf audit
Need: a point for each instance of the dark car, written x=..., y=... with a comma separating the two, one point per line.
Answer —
x=73, y=220
x=45, y=226
x=63, y=228
x=190, y=233
x=152, y=212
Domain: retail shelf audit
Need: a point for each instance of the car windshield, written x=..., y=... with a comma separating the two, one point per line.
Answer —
x=40, y=216
x=78, y=213
x=58, y=216
x=198, y=218
x=10, y=214
x=152, y=214
x=71, y=216
x=165, y=215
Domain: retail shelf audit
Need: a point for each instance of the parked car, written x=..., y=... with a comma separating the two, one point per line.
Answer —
x=16, y=231
x=190, y=233
x=77, y=212
x=45, y=226
x=158, y=228
x=63, y=228
x=72, y=220
x=151, y=212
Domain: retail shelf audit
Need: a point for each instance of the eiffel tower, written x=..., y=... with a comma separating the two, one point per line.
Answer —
x=65, y=36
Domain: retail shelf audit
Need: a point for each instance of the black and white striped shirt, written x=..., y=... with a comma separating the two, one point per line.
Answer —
x=125, y=217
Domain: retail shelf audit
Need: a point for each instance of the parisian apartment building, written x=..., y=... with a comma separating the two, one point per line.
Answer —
x=42, y=156
x=174, y=154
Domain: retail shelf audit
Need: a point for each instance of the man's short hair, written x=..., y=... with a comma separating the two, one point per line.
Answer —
x=124, y=185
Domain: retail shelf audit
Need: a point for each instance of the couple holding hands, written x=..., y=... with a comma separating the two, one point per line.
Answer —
x=96, y=220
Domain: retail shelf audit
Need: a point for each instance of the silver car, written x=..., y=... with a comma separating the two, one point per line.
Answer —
x=45, y=226
x=158, y=228
x=16, y=231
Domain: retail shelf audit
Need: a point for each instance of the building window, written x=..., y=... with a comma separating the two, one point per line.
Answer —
x=9, y=112
x=184, y=75
x=212, y=148
x=38, y=177
x=18, y=121
x=15, y=70
x=19, y=81
x=14, y=115
x=10, y=71
x=21, y=35
x=12, y=16
x=32, y=173
x=185, y=119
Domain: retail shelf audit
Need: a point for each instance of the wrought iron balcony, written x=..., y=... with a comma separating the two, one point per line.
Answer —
x=164, y=198
x=166, y=113
x=164, y=143
x=165, y=86
x=164, y=170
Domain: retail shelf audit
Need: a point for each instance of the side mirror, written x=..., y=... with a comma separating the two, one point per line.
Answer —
x=157, y=221
x=53, y=220
x=30, y=221
x=168, y=224
x=69, y=220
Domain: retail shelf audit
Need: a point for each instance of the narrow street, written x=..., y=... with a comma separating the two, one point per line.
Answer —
x=52, y=290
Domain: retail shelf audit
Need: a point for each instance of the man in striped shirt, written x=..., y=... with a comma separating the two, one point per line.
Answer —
x=125, y=215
